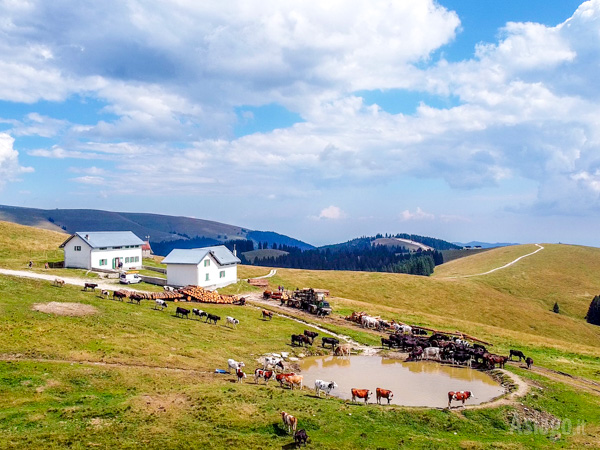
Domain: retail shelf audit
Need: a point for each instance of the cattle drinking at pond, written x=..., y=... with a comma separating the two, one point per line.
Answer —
x=383, y=393
x=324, y=386
x=360, y=393
x=459, y=396
x=330, y=341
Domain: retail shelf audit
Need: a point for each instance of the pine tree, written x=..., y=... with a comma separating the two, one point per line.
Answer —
x=593, y=315
x=555, y=308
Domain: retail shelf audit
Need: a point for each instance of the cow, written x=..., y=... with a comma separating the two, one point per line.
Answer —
x=342, y=350
x=369, y=322
x=59, y=282
x=272, y=361
x=231, y=321
x=432, y=353
x=325, y=386
x=293, y=380
x=419, y=331
x=492, y=360
x=280, y=377
x=119, y=295
x=360, y=393
x=529, y=362
x=182, y=311
x=199, y=313
x=416, y=354
x=383, y=393
x=300, y=339
x=212, y=318
x=266, y=374
x=104, y=293
x=240, y=375
x=158, y=302
x=460, y=395
x=233, y=364
x=311, y=334
x=518, y=353
x=289, y=421
x=462, y=357
x=91, y=286
x=300, y=437
x=266, y=314
x=387, y=342
x=331, y=341
x=135, y=298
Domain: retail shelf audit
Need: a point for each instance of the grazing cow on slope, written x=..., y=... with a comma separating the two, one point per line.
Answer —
x=383, y=393
x=330, y=341
x=518, y=353
x=280, y=377
x=300, y=339
x=271, y=361
x=240, y=375
x=289, y=421
x=311, y=334
x=212, y=318
x=104, y=293
x=266, y=314
x=182, y=311
x=231, y=321
x=59, y=282
x=158, y=302
x=91, y=286
x=119, y=295
x=199, y=313
x=293, y=380
x=529, y=362
x=325, y=386
x=360, y=393
x=266, y=374
x=369, y=322
x=300, y=437
x=233, y=364
x=342, y=350
x=460, y=395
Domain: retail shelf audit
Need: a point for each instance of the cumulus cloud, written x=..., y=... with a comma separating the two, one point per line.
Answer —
x=332, y=213
x=419, y=214
x=9, y=160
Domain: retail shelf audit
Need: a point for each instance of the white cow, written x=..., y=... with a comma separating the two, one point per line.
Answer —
x=160, y=303
x=233, y=364
x=233, y=322
x=271, y=361
x=432, y=353
x=369, y=322
x=325, y=386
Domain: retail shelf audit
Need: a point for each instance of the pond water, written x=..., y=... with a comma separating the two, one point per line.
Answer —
x=419, y=383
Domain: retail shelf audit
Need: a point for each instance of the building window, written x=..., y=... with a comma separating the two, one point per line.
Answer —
x=206, y=263
x=126, y=259
x=137, y=259
x=207, y=277
x=103, y=262
x=78, y=248
x=222, y=274
x=117, y=248
x=102, y=248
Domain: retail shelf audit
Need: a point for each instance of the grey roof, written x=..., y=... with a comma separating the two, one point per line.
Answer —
x=194, y=255
x=98, y=239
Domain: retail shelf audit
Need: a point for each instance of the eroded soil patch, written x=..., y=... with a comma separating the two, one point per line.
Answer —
x=65, y=309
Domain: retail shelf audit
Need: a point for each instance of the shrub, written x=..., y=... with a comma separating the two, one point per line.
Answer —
x=593, y=315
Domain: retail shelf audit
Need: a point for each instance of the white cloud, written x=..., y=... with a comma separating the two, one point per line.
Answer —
x=9, y=160
x=332, y=213
x=419, y=214
x=89, y=179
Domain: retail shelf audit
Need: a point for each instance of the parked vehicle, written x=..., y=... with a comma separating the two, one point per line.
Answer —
x=129, y=278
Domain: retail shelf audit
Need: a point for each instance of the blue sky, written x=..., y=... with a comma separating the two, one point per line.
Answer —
x=324, y=121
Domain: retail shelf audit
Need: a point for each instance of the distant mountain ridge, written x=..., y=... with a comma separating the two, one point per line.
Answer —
x=159, y=227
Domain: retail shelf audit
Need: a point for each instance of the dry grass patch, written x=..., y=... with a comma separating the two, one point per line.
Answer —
x=65, y=309
x=162, y=403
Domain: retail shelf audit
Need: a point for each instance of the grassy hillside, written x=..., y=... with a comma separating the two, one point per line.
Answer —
x=263, y=253
x=19, y=244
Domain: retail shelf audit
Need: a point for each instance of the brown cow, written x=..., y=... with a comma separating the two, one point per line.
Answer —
x=460, y=395
x=289, y=421
x=360, y=393
x=240, y=375
x=280, y=377
x=267, y=314
x=529, y=362
x=266, y=374
x=383, y=393
x=293, y=380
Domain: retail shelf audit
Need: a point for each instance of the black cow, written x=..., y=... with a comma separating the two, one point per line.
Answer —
x=300, y=437
x=300, y=339
x=212, y=318
x=330, y=341
x=311, y=334
x=182, y=311
x=387, y=342
x=518, y=353
x=91, y=286
x=529, y=362
x=462, y=357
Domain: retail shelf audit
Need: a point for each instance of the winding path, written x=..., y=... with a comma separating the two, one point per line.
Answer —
x=504, y=266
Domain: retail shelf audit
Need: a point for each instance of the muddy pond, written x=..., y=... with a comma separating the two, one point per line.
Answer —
x=422, y=383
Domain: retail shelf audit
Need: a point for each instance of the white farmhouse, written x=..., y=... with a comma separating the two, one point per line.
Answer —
x=208, y=267
x=103, y=250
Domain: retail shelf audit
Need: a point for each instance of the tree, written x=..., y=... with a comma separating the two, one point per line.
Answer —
x=555, y=308
x=593, y=315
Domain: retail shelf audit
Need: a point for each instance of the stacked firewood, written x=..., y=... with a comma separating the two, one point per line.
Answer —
x=198, y=294
x=259, y=282
x=164, y=295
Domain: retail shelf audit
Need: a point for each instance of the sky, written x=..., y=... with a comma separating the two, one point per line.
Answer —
x=325, y=121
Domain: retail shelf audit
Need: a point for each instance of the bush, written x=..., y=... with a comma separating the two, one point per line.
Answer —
x=555, y=308
x=593, y=315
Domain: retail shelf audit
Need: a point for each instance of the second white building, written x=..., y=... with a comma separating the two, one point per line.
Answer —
x=208, y=267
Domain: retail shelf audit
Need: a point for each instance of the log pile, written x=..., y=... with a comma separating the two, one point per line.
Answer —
x=198, y=294
x=165, y=295
x=259, y=282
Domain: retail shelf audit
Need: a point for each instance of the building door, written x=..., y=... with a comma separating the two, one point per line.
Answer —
x=115, y=264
